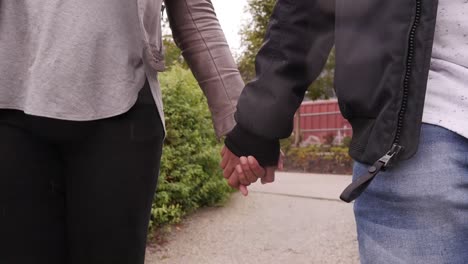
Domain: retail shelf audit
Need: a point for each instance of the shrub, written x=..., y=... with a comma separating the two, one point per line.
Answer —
x=319, y=159
x=190, y=177
x=287, y=144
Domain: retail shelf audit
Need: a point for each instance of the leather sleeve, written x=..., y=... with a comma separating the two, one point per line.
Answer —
x=296, y=47
x=197, y=32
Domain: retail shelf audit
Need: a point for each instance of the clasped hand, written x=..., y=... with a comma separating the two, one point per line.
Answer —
x=240, y=172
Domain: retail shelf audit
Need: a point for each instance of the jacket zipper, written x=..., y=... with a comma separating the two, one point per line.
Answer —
x=409, y=64
x=355, y=189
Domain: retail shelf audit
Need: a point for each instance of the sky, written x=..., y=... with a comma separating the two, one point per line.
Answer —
x=231, y=15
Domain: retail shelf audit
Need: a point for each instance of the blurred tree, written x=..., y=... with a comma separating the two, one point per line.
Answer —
x=323, y=86
x=253, y=34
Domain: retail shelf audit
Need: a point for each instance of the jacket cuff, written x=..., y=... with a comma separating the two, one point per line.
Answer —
x=243, y=143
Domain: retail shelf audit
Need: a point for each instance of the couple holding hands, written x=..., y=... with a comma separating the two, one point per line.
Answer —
x=82, y=125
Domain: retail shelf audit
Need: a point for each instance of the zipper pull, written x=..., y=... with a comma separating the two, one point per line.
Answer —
x=387, y=159
x=355, y=189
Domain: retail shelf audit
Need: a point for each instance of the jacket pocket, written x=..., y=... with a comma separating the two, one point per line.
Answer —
x=149, y=12
x=153, y=57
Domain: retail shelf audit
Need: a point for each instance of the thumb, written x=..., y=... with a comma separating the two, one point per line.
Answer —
x=269, y=175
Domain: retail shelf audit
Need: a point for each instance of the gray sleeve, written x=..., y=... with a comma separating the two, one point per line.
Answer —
x=198, y=34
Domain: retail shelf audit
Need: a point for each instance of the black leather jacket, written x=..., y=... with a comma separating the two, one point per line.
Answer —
x=383, y=52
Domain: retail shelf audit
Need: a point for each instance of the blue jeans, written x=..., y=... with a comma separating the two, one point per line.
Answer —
x=417, y=212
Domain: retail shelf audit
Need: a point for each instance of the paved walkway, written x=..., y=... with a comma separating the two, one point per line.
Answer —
x=296, y=220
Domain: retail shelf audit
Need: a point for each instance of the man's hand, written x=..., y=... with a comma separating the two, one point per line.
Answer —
x=250, y=168
x=242, y=172
x=246, y=173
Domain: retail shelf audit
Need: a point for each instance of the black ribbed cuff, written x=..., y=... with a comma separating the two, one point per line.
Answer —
x=243, y=143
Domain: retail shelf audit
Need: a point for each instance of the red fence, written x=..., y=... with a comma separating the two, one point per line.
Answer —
x=319, y=120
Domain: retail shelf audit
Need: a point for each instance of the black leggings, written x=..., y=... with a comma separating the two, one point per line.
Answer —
x=77, y=192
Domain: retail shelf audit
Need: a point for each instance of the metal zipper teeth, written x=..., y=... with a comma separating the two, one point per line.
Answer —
x=409, y=64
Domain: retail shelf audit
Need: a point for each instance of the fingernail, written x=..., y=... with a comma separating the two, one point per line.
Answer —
x=243, y=160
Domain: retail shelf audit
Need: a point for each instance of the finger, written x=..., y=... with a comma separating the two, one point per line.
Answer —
x=243, y=189
x=270, y=175
x=225, y=160
x=233, y=180
x=242, y=178
x=249, y=174
x=281, y=164
x=255, y=167
x=266, y=179
x=229, y=162
x=229, y=169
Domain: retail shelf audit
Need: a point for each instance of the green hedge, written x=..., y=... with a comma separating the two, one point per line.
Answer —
x=190, y=176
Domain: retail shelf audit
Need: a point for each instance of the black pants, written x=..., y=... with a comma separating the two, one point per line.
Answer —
x=78, y=192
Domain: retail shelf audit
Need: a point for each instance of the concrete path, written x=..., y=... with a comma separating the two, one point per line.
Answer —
x=296, y=220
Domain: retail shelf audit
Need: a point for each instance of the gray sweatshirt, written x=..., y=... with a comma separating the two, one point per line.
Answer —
x=87, y=59
x=73, y=60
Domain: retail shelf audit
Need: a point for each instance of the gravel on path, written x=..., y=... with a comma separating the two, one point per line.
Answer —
x=264, y=228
